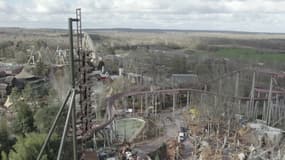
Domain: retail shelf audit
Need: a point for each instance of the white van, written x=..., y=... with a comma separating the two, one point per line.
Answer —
x=181, y=136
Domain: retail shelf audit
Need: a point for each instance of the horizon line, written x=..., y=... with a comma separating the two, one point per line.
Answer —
x=149, y=29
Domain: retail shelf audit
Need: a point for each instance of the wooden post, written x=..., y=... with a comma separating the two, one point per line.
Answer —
x=146, y=101
x=124, y=103
x=152, y=102
x=179, y=100
x=111, y=133
x=251, y=102
x=172, y=82
x=278, y=107
x=237, y=85
x=163, y=100
x=215, y=104
x=201, y=100
x=94, y=142
x=275, y=110
x=154, y=105
x=247, y=108
x=270, y=101
x=174, y=103
x=256, y=109
x=115, y=128
x=141, y=104
x=142, y=78
x=220, y=86
x=264, y=116
x=237, y=102
x=158, y=101
x=239, y=108
x=191, y=99
x=133, y=104
x=187, y=103
x=266, y=108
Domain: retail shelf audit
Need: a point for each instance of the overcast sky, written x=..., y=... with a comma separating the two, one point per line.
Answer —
x=237, y=15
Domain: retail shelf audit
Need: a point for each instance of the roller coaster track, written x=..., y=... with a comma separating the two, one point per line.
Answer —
x=110, y=103
x=110, y=100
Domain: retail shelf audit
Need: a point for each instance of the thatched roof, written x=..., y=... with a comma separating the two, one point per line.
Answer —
x=8, y=102
x=9, y=79
x=3, y=74
x=24, y=75
x=17, y=70
x=90, y=155
x=3, y=86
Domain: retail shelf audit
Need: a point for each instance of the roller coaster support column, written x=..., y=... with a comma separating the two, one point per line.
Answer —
x=270, y=102
x=251, y=102
x=141, y=104
x=237, y=85
x=187, y=103
x=174, y=104
x=146, y=102
x=237, y=102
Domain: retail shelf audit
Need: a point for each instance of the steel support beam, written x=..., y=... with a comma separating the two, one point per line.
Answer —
x=53, y=125
x=70, y=108
x=74, y=140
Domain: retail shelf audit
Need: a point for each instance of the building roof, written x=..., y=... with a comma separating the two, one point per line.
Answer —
x=262, y=90
x=8, y=102
x=9, y=79
x=90, y=155
x=185, y=75
x=24, y=75
x=3, y=86
x=3, y=74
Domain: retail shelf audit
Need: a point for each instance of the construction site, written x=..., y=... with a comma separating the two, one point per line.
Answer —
x=160, y=103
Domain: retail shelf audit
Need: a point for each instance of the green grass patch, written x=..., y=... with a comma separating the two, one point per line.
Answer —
x=250, y=54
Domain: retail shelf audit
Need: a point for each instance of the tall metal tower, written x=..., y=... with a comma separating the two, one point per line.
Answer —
x=79, y=116
x=83, y=80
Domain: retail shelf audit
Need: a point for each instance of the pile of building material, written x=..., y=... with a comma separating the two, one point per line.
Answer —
x=222, y=139
x=173, y=149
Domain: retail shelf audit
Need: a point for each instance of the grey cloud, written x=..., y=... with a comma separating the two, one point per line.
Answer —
x=248, y=15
